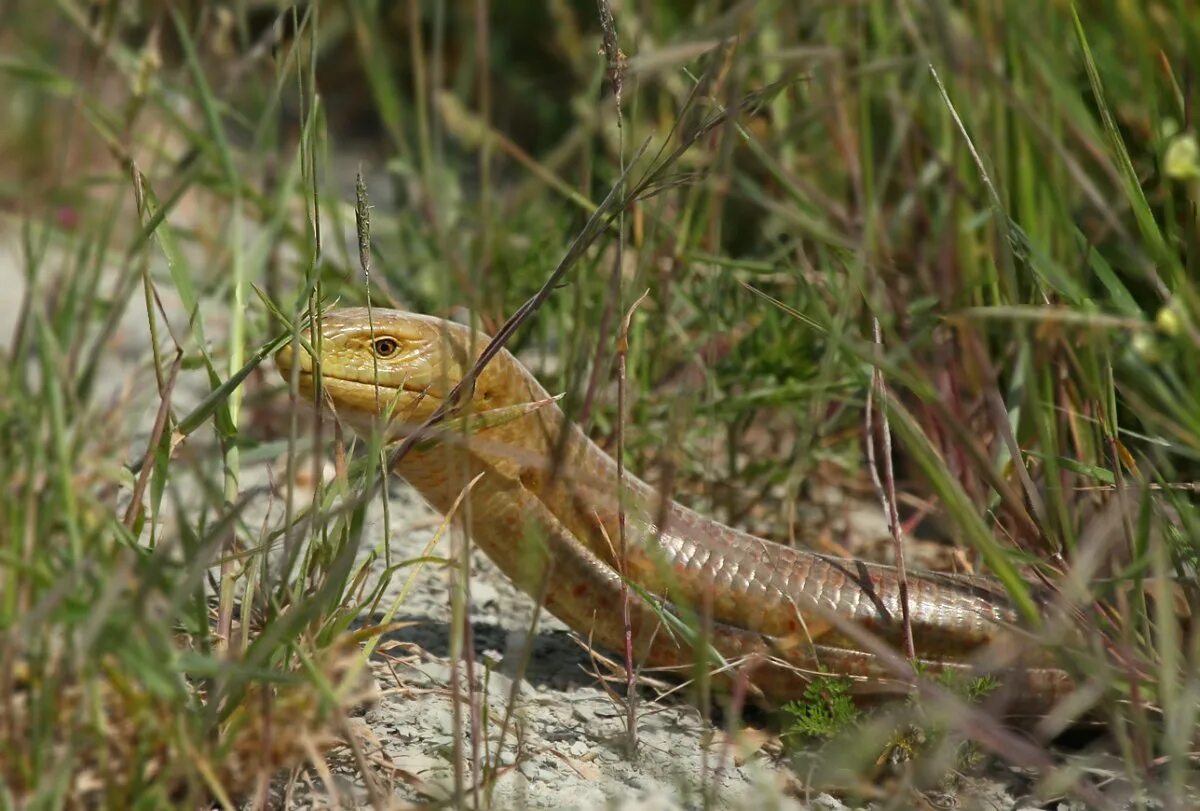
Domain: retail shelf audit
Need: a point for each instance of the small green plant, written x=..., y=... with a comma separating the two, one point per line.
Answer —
x=825, y=711
x=911, y=739
x=973, y=690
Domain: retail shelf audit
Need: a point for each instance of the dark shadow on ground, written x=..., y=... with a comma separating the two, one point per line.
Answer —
x=555, y=660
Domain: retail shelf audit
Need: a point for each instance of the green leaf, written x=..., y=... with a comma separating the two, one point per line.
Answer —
x=1100, y=474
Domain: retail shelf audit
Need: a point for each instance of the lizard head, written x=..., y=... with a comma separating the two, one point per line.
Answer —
x=397, y=366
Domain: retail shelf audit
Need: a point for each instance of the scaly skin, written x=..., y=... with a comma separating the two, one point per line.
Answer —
x=785, y=610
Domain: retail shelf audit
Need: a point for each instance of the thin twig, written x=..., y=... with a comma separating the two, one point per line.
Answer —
x=886, y=489
x=737, y=701
x=622, y=559
x=616, y=71
x=160, y=423
x=374, y=791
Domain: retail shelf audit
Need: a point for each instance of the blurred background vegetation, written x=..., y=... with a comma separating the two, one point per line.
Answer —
x=1010, y=189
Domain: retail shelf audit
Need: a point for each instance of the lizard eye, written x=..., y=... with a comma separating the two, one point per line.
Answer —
x=385, y=347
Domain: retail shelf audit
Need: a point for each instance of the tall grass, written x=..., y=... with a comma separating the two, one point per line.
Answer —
x=1011, y=195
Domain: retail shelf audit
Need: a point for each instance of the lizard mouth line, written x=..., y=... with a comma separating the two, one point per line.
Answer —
x=368, y=397
x=411, y=385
